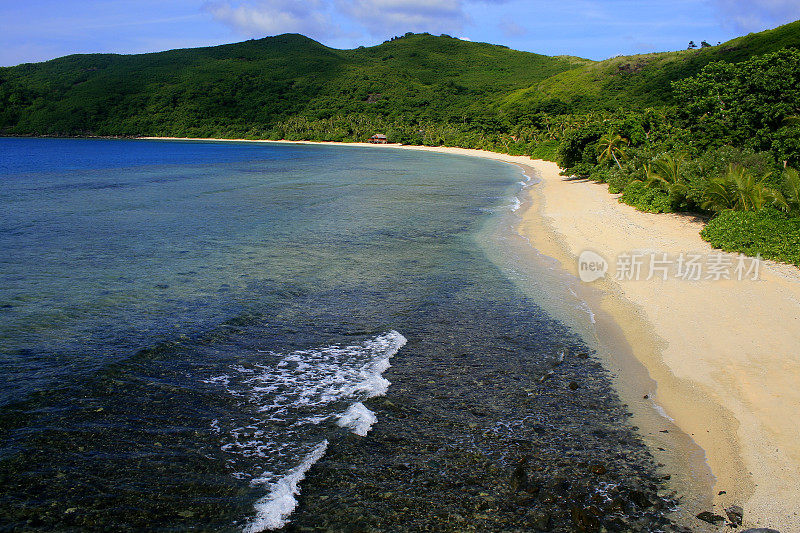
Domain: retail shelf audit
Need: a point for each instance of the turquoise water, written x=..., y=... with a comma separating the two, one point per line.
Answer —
x=187, y=327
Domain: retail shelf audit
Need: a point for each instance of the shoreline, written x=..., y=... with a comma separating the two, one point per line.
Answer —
x=717, y=357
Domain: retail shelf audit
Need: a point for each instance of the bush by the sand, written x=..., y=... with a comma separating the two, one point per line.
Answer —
x=768, y=232
x=547, y=150
x=738, y=189
x=645, y=198
x=788, y=197
x=712, y=164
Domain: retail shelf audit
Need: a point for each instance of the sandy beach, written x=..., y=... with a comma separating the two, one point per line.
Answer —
x=724, y=353
x=718, y=358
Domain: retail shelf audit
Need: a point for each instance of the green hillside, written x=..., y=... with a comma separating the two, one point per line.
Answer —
x=247, y=88
x=285, y=85
x=644, y=80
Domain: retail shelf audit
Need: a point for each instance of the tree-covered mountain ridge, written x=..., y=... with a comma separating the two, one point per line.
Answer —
x=252, y=88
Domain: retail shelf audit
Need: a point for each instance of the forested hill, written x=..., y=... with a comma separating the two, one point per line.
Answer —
x=247, y=88
x=646, y=79
x=420, y=88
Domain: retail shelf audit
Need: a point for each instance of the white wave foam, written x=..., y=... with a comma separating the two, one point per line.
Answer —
x=288, y=397
x=358, y=419
x=273, y=510
x=660, y=410
x=516, y=205
x=583, y=305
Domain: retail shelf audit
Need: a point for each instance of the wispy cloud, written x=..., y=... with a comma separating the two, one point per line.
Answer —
x=319, y=18
x=757, y=15
x=380, y=17
x=271, y=17
x=510, y=28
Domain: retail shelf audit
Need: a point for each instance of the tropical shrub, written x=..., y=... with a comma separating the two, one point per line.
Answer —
x=737, y=189
x=768, y=232
x=666, y=173
x=619, y=179
x=788, y=198
x=577, y=149
x=547, y=150
x=650, y=199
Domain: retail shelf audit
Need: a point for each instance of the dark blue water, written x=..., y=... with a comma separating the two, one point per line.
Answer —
x=186, y=327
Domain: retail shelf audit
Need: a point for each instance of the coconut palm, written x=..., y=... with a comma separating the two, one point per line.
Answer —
x=791, y=188
x=612, y=146
x=737, y=189
x=789, y=198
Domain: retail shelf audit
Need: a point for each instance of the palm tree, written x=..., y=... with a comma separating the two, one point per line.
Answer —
x=666, y=174
x=789, y=199
x=737, y=189
x=610, y=146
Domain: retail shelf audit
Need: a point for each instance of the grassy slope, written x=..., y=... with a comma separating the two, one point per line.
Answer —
x=644, y=80
x=259, y=82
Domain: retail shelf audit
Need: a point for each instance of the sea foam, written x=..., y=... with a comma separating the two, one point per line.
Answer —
x=358, y=419
x=291, y=397
x=273, y=510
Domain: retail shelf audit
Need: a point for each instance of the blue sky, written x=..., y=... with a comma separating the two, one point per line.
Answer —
x=37, y=30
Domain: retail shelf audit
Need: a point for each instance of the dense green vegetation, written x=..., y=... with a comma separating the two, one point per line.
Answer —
x=712, y=131
x=275, y=87
x=769, y=233
x=730, y=145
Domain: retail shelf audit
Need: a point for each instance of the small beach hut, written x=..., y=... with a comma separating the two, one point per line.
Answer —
x=379, y=138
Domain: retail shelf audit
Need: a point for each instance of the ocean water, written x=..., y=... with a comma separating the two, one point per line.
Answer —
x=192, y=333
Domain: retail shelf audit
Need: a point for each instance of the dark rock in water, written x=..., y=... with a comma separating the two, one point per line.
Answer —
x=640, y=499
x=760, y=530
x=584, y=520
x=598, y=469
x=555, y=460
x=711, y=518
x=573, y=385
x=735, y=515
x=519, y=478
x=540, y=521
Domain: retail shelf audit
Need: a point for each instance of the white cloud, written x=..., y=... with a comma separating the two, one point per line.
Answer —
x=381, y=17
x=324, y=18
x=757, y=15
x=259, y=18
